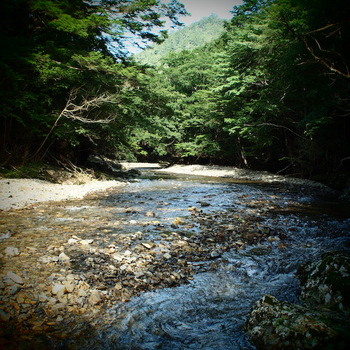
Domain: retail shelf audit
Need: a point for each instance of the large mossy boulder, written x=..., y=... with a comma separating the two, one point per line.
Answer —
x=327, y=282
x=321, y=321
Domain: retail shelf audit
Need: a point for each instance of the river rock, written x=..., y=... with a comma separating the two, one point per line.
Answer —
x=11, y=251
x=4, y=316
x=95, y=297
x=63, y=257
x=327, y=282
x=58, y=289
x=15, y=278
x=86, y=241
x=14, y=289
x=148, y=245
x=274, y=324
x=177, y=222
x=320, y=322
x=69, y=286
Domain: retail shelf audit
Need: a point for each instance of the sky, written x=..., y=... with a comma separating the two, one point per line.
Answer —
x=204, y=8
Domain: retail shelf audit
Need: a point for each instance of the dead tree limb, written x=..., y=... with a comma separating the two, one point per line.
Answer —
x=80, y=111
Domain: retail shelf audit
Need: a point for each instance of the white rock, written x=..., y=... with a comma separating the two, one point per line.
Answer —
x=95, y=297
x=82, y=293
x=14, y=277
x=63, y=257
x=71, y=277
x=86, y=241
x=167, y=256
x=11, y=251
x=69, y=287
x=117, y=257
x=58, y=289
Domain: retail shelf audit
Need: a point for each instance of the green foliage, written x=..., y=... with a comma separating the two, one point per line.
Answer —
x=54, y=47
x=271, y=92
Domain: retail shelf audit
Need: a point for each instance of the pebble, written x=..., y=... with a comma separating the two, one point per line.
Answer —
x=58, y=289
x=11, y=251
x=63, y=257
x=15, y=278
x=4, y=316
x=95, y=297
x=14, y=289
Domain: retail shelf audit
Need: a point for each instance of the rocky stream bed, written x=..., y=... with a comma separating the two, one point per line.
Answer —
x=123, y=269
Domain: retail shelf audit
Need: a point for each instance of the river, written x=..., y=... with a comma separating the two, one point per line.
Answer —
x=234, y=240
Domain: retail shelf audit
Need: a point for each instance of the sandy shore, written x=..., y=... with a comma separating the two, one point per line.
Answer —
x=20, y=193
x=236, y=173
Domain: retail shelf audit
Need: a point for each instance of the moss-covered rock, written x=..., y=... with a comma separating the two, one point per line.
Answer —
x=327, y=282
x=320, y=322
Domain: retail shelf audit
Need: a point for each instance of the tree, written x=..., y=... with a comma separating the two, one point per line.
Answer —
x=52, y=47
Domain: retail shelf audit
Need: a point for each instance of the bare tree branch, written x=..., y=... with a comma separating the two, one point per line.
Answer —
x=310, y=49
x=75, y=111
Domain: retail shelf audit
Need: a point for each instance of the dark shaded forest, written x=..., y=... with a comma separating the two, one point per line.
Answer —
x=272, y=92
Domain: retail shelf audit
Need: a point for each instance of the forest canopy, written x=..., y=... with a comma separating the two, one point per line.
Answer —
x=272, y=92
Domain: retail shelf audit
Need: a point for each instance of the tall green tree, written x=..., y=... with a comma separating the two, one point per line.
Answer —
x=283, y=85
x=60, y=61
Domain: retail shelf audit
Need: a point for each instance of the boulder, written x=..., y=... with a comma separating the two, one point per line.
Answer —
x=327, y=282
x=274, y=324
x=320, y=322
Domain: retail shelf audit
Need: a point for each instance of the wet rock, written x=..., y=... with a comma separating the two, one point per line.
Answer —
x=134, y=172
x=11, y=251
x=118, y=286
x=15, y=278
x=215, y=254
x=148, y=245
x=14, y=289
x=177, y=222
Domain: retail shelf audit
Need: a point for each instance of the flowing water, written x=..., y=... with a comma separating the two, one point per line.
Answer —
x=208, y=312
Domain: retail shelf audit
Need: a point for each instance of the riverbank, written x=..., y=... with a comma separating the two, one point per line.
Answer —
x=74, y=270
x=21, y=193
x=237, y=173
